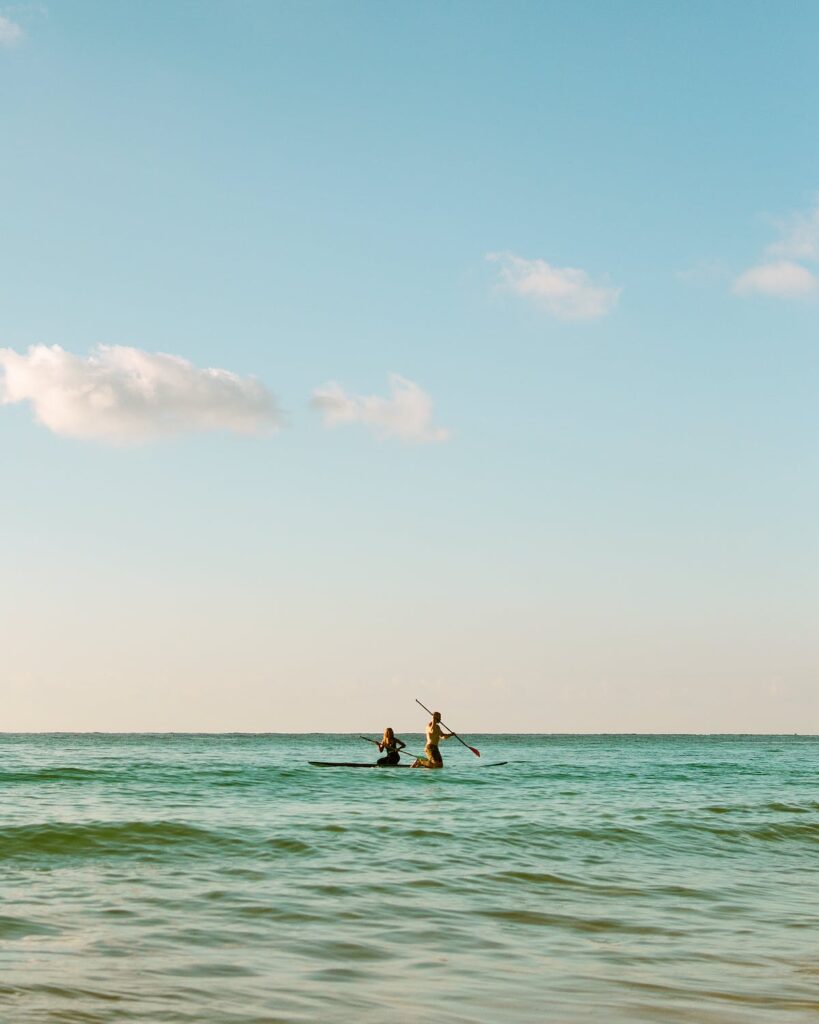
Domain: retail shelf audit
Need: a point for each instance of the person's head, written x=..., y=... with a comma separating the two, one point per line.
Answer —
x=389, y=734
x=436, y=716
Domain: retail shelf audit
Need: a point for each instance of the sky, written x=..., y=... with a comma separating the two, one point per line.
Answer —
x=358, y=352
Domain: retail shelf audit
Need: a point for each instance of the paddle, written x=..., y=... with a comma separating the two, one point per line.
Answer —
x=376, y=742
x=474, y=750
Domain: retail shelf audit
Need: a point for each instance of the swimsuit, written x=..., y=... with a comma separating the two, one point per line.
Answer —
x=392, y=757
x=432, y=753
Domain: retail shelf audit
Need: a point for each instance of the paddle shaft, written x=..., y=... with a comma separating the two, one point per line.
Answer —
x=474, y=750
x=378, y=742
x=416, y=756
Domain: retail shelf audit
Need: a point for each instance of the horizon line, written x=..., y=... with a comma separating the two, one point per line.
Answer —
x=476, y=732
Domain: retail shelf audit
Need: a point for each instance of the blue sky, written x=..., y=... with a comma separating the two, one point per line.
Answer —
x=595, y=509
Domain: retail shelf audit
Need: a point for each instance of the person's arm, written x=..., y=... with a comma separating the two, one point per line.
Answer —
x=399, y=744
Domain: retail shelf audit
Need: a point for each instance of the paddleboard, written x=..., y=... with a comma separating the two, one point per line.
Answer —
x=354, y=764
x=368, y=764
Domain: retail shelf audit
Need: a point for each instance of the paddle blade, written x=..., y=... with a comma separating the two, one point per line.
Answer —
x=474, y=750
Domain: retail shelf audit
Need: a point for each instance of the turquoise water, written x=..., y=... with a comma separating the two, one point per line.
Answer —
x=595, y=878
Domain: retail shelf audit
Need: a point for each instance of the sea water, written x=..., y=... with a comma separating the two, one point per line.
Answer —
x=222, y=879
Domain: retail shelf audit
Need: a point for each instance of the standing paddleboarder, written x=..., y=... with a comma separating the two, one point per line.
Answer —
x=432, y=755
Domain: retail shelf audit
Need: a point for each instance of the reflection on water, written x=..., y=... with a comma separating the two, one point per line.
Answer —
x=221, y=879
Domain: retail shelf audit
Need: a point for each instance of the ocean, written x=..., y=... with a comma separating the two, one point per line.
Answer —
x=220, y=879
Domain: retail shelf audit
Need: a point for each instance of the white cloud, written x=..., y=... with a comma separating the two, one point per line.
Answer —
x=10, y=32
x=124, y=394
x=406, y=414
x=783, y=278
x=780, y=275
x=566, y=292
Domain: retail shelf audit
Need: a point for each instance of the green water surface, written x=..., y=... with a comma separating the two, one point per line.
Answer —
x=222, y=880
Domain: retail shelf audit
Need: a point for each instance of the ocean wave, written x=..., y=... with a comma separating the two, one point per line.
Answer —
x=19, y=928
x=575, y=922
x=127, y=838
x=746, y=831
x=63, y=774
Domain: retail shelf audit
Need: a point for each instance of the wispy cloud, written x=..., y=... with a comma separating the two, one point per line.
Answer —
x=406, y=414
x=799, y=236
x=566, y=292
x=782, y=278
x=779, y=274
x=10, y=32
x=121, y=394
x=705, y=273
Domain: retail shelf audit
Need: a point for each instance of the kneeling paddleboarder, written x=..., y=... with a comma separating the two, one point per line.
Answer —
x=393, y=747
x=432, y=755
